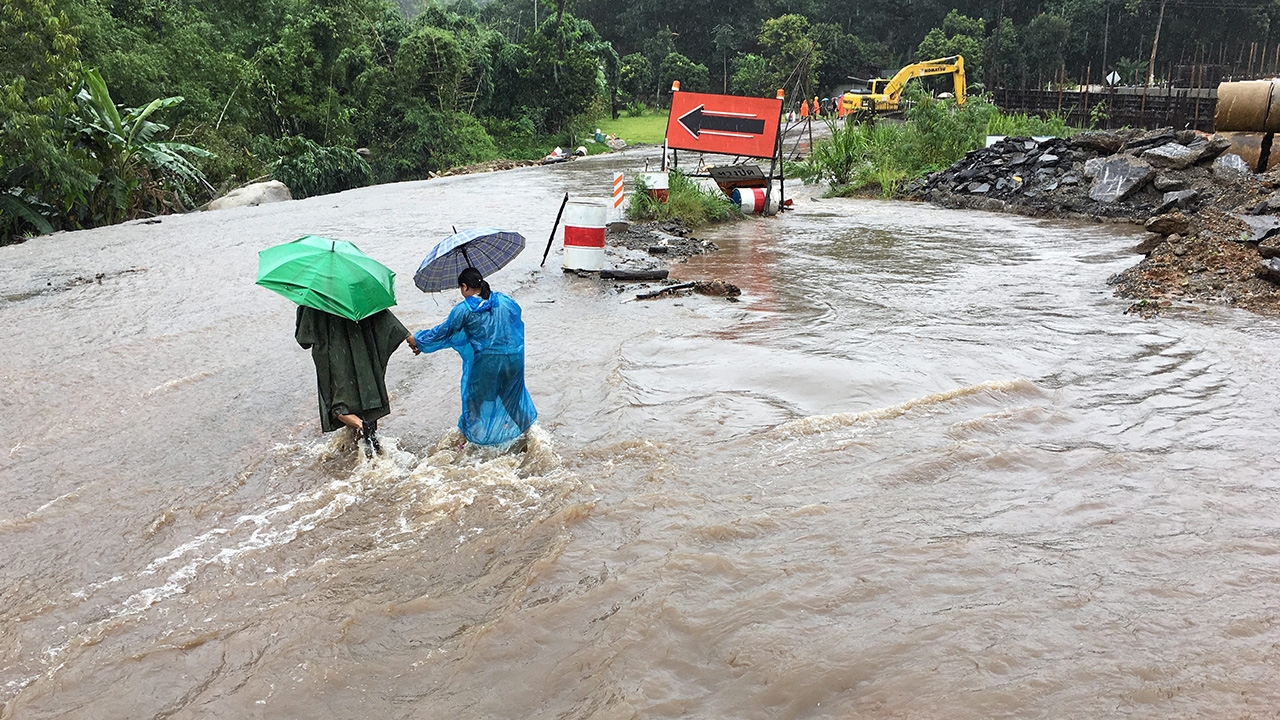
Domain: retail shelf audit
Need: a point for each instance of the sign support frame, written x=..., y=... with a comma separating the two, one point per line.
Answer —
x=776, y=171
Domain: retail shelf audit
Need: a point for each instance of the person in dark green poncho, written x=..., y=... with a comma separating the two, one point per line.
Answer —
x=351, y=366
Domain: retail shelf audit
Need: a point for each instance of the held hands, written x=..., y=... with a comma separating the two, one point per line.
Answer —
x=412, y=344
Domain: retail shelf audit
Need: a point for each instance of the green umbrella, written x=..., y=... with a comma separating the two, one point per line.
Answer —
x=329, y=275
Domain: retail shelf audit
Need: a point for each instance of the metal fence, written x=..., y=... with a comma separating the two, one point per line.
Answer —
x=1106, y=107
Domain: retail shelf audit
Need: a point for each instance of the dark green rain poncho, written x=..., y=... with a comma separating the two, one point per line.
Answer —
x=351, y=362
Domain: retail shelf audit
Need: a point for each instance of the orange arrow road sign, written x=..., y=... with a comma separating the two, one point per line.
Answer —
x=728, y=124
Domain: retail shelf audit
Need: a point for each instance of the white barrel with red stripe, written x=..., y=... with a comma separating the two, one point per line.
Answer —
x=751, y=200
x=658, y=183
x=584, y=229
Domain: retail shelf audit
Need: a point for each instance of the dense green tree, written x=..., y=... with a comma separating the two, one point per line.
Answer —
x=693, y=77
x=563, y=75
x=958, y=35
x=636, y=75
x=1045, y=43
x=39, y=65
x=845, y=56
x=1004, y=58
x=752, y=76
x=792, y=52
x=430, y=63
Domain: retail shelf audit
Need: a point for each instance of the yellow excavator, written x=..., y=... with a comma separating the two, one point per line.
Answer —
x=885, y=93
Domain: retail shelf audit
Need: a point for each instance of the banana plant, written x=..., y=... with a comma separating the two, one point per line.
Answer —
x=123, y=149
x=22, y=207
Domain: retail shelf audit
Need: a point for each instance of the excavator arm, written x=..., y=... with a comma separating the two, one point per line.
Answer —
x=885, y=94
x=953, y=66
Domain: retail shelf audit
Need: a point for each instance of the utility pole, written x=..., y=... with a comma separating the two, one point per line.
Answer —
x=1106, y=36
x=1151, y=66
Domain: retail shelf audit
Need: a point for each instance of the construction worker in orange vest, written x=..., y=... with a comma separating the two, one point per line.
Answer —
x=817, y=107
x=804, y=108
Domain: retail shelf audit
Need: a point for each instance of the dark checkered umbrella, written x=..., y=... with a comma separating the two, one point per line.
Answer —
x=485, y=249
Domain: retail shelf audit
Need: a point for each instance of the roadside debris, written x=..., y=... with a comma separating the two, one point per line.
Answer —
x=669, y=238
x=714, y=288
x=638, y=255
x=490, y=166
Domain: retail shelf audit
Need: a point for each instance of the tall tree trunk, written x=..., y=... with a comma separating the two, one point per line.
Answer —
x=994, y=71
x=1106, y=37
x=1151, y=66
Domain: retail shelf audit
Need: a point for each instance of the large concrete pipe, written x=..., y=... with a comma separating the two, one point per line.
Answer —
x=1273, y=111
x=1249, y=106
x=1247, y=115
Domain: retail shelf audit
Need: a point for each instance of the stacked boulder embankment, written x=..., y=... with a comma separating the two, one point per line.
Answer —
x=1213, y=224
x=1120, y=174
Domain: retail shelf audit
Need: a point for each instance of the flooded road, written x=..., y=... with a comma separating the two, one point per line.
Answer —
x=926, y=468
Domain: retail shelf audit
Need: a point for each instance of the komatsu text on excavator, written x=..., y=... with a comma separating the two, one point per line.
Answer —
x=885, y=94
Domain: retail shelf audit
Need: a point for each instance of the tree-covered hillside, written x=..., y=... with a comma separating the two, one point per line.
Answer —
x=239, y=90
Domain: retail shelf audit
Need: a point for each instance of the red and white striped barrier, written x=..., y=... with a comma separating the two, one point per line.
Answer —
x=618, y=197
x=584, y=230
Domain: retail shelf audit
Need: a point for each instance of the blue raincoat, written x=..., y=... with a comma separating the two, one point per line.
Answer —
x=489, y=335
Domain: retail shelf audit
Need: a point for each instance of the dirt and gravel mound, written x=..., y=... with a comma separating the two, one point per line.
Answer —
x=668, y=240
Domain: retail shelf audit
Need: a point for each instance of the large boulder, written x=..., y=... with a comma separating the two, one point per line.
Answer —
x=1174, y=223
x=1261, y=227
x=1177, y=199
x=1231, y=165
x=250, y=195
x=1117, y=177
x=1100, y=141
x=1172, y=156
x=1270, y=270
x=1210, y=149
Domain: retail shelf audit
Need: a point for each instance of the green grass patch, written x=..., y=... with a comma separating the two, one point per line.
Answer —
x=686, y=200
x=1024, y=125
x=860, y=158
x=650, y=128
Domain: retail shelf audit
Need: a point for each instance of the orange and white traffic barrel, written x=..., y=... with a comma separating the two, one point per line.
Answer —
x=584, y=230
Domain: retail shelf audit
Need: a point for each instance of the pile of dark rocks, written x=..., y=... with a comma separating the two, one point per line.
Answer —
x=1120, y=174
x=1213, y=226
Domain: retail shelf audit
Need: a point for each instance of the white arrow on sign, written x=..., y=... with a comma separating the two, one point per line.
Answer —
x=700, y=121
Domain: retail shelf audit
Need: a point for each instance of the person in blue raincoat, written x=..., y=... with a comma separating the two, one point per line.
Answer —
x=486, y=330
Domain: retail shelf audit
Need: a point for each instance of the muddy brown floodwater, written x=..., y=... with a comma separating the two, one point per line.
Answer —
x=926, y=468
